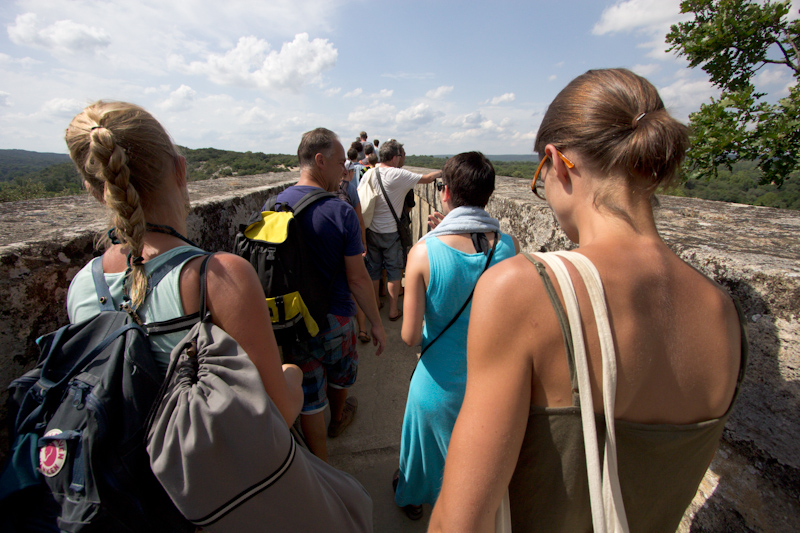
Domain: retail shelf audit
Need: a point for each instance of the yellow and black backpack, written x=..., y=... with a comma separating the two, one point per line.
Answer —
x=297, y=294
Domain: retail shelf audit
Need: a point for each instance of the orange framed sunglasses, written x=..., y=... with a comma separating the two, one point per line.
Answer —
x=566, y=161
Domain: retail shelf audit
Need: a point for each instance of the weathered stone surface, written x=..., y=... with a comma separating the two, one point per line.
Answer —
x=753, y=483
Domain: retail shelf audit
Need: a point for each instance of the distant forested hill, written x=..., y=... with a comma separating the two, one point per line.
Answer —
x=740, y=186
x=25, y=175
x=15, y=163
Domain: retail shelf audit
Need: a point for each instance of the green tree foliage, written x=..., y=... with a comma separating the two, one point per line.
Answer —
x=425, y=161
x=743, y=185
x=26, y=175
x=207, y=163
x=732, y=40
x=515, y=169
x=15, y=163
x=55, y=180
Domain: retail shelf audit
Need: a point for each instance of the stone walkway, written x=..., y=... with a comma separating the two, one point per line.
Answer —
x=370, y=447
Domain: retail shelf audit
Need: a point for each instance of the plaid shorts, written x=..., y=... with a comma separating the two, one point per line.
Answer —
x=329, y=359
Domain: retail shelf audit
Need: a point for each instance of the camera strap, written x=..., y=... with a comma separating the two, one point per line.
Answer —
x=490, y=254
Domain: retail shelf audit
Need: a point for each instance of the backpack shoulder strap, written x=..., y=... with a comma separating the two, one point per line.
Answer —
x=310, y=198
x=386, y=197
x=181, y=322
x=100, y=285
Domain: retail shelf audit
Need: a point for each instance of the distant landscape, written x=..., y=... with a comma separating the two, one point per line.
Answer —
x=25, y=175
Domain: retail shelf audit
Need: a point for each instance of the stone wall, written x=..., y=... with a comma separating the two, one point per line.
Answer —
x=754, y=481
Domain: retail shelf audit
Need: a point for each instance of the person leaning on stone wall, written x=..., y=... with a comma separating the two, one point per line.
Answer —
x=384, y=250
x=675, y=344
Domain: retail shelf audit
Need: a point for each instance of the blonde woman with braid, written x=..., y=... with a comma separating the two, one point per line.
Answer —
x=128, y=162
x=616, y=357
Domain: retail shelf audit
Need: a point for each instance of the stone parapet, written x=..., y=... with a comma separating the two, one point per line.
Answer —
x=754, y=481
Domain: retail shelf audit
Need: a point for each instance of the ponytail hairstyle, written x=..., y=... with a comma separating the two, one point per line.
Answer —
x=124, y=155
x=617, y=122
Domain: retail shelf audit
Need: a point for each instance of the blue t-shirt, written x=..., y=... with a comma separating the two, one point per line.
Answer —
x=331, y=229
x=352, y=193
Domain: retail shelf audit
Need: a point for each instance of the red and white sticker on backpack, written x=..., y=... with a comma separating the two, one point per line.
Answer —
x=53, y=456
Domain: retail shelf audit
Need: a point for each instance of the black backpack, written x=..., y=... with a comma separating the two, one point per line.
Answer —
x=341, y=192
x=78, y=418
x=297, y=293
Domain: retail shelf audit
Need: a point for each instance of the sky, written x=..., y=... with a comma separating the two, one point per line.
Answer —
x=441, y=77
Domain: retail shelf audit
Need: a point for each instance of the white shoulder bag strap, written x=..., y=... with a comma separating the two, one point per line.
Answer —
x=608, y=510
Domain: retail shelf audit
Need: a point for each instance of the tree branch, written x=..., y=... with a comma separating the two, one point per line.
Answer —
x=788, y=62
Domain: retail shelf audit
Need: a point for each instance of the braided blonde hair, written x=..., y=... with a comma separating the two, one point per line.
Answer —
x=123, y=154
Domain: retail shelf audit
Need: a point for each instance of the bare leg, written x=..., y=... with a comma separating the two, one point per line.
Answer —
x=361, y=318
x=316, y=433
x=376, y=285
x=337, y=398
x=394, y=296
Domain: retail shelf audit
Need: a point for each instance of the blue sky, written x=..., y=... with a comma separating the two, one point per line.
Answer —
x=440, y=76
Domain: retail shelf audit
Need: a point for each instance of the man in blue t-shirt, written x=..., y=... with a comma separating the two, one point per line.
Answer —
x=330, y=227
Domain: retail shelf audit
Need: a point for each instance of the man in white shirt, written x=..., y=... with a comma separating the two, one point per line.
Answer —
x=383, y=240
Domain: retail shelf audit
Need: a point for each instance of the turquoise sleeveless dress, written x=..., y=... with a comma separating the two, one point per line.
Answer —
x=440, y=379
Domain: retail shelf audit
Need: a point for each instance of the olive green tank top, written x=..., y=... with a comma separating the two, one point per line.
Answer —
x=660, y=465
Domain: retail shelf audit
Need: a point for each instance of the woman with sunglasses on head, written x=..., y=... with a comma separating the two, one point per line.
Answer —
x=441, y=273
x=649, y=376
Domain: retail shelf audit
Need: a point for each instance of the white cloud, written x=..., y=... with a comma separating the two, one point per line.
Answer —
x=650, y=18
x=507, y=97
x=472, y=119
x=256, y=115
x=253, y=64
x=417, y=115
x=180, y=99
x=354, y=93
x=383, y=93
x=60, y=107
x=378, y=115
x=333, y=91
x=4, y=99
x=410, y=75
x=156, y=90
x=646, y=70
x=631, y=15
x=26, y=62
x=439, y=92
x=552, y=77
x=772, y=76
x=685, y=96
x=63, y=36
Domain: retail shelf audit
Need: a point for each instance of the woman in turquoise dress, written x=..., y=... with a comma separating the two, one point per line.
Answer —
x=441, y=273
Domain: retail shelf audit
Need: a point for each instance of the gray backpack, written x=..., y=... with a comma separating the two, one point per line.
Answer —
x=224, y=454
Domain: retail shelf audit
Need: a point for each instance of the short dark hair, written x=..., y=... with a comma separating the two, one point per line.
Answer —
x=369, y=149
x=352, y=154
x=470, y=178
x=375, y=142
x=389, y=149
x=363, y=134
x=372, y=159
x=316, y=141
